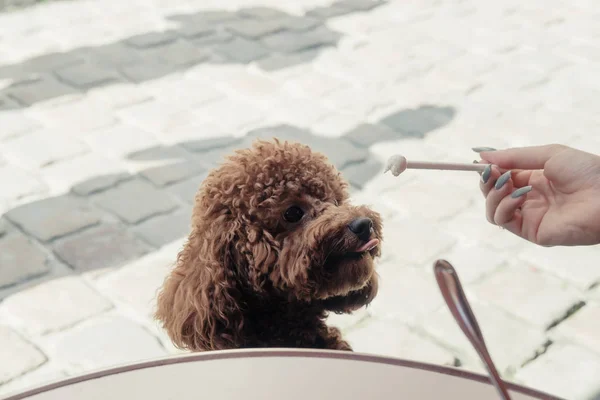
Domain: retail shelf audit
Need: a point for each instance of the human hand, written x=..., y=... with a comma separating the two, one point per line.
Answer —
x=548, y=195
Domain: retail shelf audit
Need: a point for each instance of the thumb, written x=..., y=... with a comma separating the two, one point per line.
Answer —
x=532, y=157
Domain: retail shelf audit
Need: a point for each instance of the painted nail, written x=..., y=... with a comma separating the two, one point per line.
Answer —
x=502, y=180
x=482, y=149
x=521, y=191
x=485, y=176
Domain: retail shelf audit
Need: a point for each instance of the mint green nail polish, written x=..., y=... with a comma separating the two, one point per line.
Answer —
x=502, y=180
x=482, y=149
x=521, y=191
x=485, y=176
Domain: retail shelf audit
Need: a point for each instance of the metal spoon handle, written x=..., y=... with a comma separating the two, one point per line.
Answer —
x=455, y=298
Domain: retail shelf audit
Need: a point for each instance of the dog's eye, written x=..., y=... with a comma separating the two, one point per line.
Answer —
x=293, y=214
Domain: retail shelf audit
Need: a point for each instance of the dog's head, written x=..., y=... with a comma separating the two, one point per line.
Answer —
x=273, y=221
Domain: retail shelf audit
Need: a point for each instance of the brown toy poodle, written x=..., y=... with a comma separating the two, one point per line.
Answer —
x=274, y=247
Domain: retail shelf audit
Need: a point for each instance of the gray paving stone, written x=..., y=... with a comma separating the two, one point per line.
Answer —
x=290, y=42
x=146, y=70
x=6, y=103
x=277, y=61
x=186, y=190
x=365, y=135
x=180, y=165
x=114, y=55
x=105, y=246
x=49, y=62
x=208, y=145
x=420, y=121
x=254, y=29
x=23, y=356
x=200, y=29
x=358, y=5
x=54, y=217
x=99, y=183
x=213, y=39
x=242, y=50
x=328, y=12
x=301, y=23
x=135, y=200
x=20, y=260
x=164, y=229
x=105, y=342
x=87, y=76
x=180, y=53
x=33, y=91
x=361, y=173
x=261, y=13
x=151, y=39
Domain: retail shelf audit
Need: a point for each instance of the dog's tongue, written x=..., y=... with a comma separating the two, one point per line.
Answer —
x=368, y=246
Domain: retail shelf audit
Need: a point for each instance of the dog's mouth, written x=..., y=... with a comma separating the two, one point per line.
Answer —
x=370, y=245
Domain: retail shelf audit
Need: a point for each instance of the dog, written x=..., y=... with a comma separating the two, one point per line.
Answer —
x=274, y=248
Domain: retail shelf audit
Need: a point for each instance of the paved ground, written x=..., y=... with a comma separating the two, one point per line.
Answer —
x=112, y=112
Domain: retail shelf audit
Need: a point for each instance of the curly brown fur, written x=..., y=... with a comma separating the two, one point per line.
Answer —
x=246, y=277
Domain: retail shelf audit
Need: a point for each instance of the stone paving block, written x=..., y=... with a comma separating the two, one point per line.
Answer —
x=6, y=103
x=114, y=55
x=40, y=148
x=118, y=141
x=247, y=115
x=16, y=183
x=301, y=23
x=509, y=341
x=20, y=260
x=405, y=292
x=261, y=13
x=134, y=201
x=418, y=122
x=102, y=247
x=76, y=117
x=474, y=261
x=394, y=339
x=365, y=135
x=359, y=5
x=214, y=39
x=325, y=13
x=86, y=76
x=422, y=198
x=165, y=229
x=42, y=375
x=254, y=29
x=312, y=84
x=71, y=298
x=558, y=373
x=359, y=174
x=15, y=123
x=85, y=174
x=118, y=95
x=291, y=42
x=415, y=241
x=576, y=265
x=179, y=53
x=200, y=29
x=276, y=63
x=23, y=356
x=157, y=115
x=54, y=217
x=38, y=90
x=242, y=50
x=186, y=190
x=149, y=273
x=104, y=342
x=582, y=328
x=151, y=39
x=146, y=70
x=167, y=165
x=529, y=294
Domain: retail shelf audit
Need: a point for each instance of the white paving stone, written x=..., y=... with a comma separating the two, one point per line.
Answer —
x=583, y=328
x=71, y=300
x=103, y=342
x=509, y=341
x=475, y=261
x=565, y=370
x=47, y=373
x=528, y=293
x=119, y=141
x=394, y=339
x=20, y=356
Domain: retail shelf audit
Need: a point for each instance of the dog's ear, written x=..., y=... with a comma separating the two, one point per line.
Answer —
x=353, y=300
x=199, y=302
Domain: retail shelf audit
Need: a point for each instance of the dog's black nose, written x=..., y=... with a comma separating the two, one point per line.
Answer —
x=361, y=227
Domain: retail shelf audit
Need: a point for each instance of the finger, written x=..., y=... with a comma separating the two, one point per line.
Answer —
x=488, y=177
x=532, y=157
x=502, y=187
x=508, y=208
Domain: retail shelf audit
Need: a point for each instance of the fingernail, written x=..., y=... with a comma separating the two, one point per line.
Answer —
x=482, y=149
x=485, y=176
x=502, y=180
x=521, y=191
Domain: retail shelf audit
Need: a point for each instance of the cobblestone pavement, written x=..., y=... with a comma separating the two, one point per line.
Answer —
x=112, y=112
